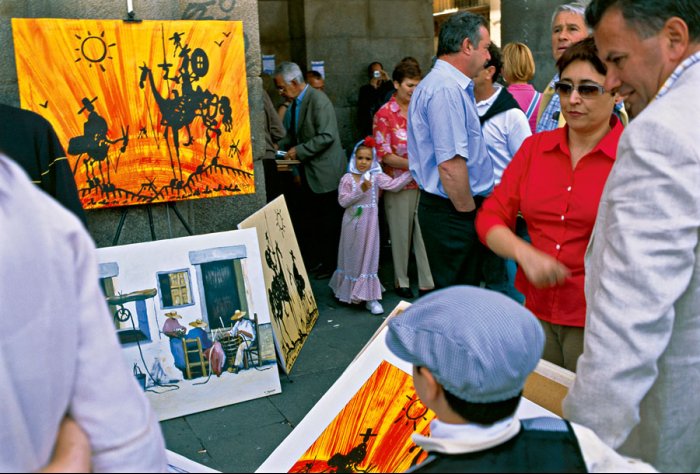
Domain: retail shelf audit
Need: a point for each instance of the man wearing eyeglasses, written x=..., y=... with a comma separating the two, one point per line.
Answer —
x=312, y=138
x=638, y=378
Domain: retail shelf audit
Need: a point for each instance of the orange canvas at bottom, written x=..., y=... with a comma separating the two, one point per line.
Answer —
x=373, y=432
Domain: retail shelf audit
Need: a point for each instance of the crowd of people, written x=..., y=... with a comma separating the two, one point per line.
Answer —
x=483, y=175
x=589, y=189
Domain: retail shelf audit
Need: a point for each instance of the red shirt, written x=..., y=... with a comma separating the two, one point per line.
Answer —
x=559, y=205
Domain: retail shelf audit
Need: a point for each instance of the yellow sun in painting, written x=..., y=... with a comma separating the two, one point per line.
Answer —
x=94, y=49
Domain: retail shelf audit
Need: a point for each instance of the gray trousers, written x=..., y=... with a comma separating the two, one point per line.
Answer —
x=402, y=219
x=563, y=344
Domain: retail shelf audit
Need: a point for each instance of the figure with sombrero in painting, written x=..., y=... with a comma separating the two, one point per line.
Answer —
x=172, y=327
x=175, y=332
x=212, y=350
x=244, y=329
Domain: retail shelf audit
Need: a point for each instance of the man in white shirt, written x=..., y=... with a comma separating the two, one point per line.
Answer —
x=244, y=329
x=59, y=354
x=471, y=351
x=504, y=126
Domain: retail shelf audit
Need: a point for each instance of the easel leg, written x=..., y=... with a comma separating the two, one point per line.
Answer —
x=182, y=219
x=150, y=222
x=115, y=241
x=151, y=225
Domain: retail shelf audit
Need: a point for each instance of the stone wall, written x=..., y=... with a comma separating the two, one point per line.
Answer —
x=347, y=35
x=531, y=23
x=204, y=215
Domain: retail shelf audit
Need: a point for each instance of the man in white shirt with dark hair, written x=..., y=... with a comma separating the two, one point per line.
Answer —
x=504, y=126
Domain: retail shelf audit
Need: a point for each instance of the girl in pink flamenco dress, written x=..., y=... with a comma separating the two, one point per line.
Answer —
x=356, y=280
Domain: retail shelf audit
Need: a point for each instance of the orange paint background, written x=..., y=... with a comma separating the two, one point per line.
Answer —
x=59, y=62
x=380, y=405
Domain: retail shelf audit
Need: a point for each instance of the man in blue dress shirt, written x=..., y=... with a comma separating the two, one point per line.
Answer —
x=446, y=152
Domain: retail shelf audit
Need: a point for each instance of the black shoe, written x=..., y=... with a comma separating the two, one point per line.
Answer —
x=315, y=268
x=404, y=292
x=323, y=273
x=422, y=293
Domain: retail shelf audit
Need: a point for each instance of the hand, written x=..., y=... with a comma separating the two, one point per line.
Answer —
x=377, y=81
x=365, y=186
x=291, y=154
x=468, y=206
x=72, y=451
x=541, y=269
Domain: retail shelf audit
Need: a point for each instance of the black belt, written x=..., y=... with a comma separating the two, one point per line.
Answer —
x=435, y=200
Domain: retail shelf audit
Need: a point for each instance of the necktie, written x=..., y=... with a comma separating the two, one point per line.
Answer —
x=293, y=122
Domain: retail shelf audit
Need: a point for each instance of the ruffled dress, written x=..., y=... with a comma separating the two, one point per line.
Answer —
x=356, y=280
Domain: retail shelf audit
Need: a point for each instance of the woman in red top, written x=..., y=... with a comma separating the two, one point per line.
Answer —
x=392, y=152
x=555, y=180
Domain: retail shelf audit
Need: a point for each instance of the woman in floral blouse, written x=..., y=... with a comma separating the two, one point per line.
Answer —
x=392, y=152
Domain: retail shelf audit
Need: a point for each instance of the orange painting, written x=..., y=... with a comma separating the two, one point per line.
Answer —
x=373, y=432
x=148, y=112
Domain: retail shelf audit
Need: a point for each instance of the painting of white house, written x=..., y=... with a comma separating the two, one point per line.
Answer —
x=192, y=317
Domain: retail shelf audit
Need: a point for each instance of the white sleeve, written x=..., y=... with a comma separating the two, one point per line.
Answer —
x=518, y=130
x=107, y=401
x=599, y=457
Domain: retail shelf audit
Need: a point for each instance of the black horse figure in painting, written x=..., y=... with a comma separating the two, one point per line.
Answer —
x=180, y=108
x=95, y=144
x=278, y=293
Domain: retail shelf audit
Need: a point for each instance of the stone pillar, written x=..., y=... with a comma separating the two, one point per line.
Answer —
x=530, y=23
x=348, y=35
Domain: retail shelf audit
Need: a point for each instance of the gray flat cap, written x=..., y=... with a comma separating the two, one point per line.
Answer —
x=480, y=345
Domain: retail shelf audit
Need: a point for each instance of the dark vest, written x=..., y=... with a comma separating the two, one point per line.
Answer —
x=505, y=101
x=543, y=445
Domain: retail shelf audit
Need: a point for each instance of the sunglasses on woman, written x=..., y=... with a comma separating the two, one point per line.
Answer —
x=586, y=91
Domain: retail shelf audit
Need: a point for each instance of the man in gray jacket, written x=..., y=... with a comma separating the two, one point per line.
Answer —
x=638, y=378
x=312, y=138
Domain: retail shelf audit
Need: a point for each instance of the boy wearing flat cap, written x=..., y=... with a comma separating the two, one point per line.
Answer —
x=471, y=351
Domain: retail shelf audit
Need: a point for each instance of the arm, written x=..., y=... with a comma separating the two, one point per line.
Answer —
x=541, y=269
x=72, y=450
x=348, y=192
x=496, y=221
x=447, y=106
x=107, y=402
x=641, y=261
x=455, y=179
x=386, y=183
x=395, y=161
x=274, y=120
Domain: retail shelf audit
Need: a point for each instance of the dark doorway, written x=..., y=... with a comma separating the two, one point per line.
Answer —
x=220, y=292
